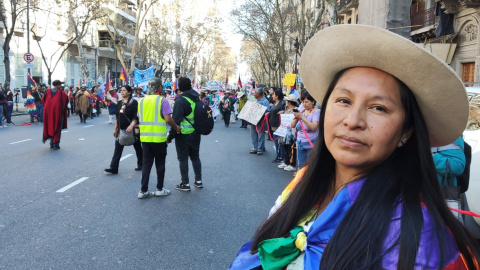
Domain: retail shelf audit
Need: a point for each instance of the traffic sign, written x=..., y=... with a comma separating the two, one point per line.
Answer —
x=28, y=57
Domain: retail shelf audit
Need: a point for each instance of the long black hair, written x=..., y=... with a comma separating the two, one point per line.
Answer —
x=407, y=177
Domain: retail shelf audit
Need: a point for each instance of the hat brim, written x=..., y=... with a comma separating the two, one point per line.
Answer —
x=438, y=90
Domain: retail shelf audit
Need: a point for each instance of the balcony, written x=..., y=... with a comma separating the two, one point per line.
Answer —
x=127, y=10
x=424, y=19
x=105, y=44
x=346, y=4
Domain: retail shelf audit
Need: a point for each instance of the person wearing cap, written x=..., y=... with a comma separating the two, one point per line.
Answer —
x=226, y=107
x=257, y=132
x=369, y=197
x=187, y=141
x=111, y=99
x=154, y=113
x=54, y=114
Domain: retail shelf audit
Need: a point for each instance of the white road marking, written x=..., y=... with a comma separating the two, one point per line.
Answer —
x=125, y=157
x=21, y=141
x=72, y=184
x=88, y=126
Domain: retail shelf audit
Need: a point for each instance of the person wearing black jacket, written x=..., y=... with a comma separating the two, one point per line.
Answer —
x=187, y=142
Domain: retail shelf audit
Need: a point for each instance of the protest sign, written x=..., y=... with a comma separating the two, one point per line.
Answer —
x=252, y=112
x=289, y=79
x=285, y=121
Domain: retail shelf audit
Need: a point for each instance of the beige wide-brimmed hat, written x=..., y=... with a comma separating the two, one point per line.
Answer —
x=438, y=90
x=240, y=94
x=291, y=97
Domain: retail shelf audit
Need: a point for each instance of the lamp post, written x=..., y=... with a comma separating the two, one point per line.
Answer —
x=296, y=45
x=115, y=50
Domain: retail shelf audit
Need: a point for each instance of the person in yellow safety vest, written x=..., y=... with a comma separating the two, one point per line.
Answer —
x=154, y=113
x=187, y=142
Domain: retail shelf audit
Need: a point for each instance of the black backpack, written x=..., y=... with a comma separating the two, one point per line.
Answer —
x=202, y=116
x=464, y=179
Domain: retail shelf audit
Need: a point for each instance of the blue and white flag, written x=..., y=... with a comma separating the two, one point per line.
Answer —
x=141, y=77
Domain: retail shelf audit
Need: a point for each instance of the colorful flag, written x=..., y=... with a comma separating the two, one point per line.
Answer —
x=123, y=75
x=239, y=83
x=31, y=80
x=108, y=81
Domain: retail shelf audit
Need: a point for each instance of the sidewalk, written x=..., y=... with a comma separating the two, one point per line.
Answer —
x=21, y=110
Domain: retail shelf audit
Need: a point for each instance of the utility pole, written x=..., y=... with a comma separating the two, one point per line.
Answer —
x=28, y=41
x=297, y=45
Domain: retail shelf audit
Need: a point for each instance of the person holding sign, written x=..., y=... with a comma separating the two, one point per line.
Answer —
x=257, y=132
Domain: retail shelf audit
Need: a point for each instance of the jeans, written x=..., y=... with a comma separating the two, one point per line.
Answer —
x=9, y=111
x=117, y=154
x=151, y=152
x=278, y=147
x=302, y=156
x=188, y=145
x=40, y=112
x=258, y=139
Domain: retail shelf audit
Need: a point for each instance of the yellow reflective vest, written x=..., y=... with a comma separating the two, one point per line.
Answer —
x=153, y=127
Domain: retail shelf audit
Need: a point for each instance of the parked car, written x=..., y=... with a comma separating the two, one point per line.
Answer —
x=472, y=137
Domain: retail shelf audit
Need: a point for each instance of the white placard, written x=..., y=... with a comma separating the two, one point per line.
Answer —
x=285, y=122
x=252, y=112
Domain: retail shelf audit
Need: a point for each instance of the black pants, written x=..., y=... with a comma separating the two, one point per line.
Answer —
x=226, y=117
x=72, y=107
x=188, y=145
x=290, y=155
x=151, y=152
x=117, y=154
x=83, y=118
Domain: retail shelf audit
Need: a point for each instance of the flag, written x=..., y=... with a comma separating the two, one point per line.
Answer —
x=226, y=79
x=239, y=83
x=108, y=82
x=31, y=80
x=123, y=75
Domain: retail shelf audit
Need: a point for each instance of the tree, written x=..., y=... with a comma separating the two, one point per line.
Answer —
x=116, y=33
x=9, y=19
x=81, y=14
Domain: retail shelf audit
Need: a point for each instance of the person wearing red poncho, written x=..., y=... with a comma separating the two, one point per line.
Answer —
x=54, y=114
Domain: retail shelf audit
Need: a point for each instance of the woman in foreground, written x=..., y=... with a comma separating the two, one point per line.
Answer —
x=369, y=197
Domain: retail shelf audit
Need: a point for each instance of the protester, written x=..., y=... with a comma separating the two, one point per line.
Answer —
x=138, y=92
x=71, y=99
x=9, y=95
x=187, y=141
x=306, y=125
x=449, y=161
x=111, y=99
x=226, y=107
x=37, y=94
x=154, y=115
x=54, y=114
x=242, y=99
x=3, y=103
x=126, y=119
x=274, y=121
x=257, y=132
x=82, y=105
x=369, y=197
x=290, y=150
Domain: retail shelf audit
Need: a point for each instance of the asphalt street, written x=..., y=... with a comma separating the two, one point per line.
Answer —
x=59, y=210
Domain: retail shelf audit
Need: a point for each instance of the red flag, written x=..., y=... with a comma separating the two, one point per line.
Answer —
x=31, y=80
x=123, y=75
x=226, y=80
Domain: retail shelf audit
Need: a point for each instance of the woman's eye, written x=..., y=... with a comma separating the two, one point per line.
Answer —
x=343, y=101
x=379, y=108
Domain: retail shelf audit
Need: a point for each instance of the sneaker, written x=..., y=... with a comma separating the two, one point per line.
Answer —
x=259, y=153
x=282, y=165
x=253, y=151
x=138, y=168
x=290, y=168
x=183, y=187
x=163, y=192
x=111, y=171
x=146, y=194
x=198, y=184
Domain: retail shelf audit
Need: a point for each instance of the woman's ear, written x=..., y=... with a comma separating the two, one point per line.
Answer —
x=406, y=136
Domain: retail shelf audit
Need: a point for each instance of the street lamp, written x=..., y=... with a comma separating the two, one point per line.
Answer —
x=115, y=50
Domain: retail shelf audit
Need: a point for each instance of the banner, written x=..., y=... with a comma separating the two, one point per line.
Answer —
x=252, y=112
x=213, y=86
x=141, y=77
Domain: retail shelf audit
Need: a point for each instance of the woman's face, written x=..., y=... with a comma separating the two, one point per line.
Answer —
x=124, y=92
x=274, y=97
x=308, y=104
x=363, y=119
